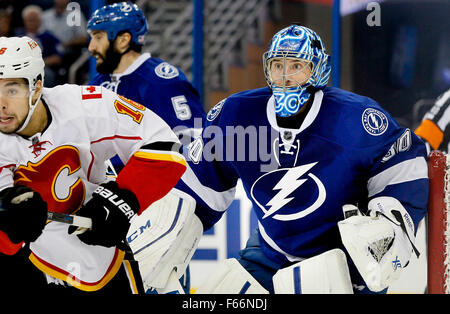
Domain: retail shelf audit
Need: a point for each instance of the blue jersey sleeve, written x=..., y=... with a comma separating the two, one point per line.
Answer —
x=209, y=175
x=398, y=168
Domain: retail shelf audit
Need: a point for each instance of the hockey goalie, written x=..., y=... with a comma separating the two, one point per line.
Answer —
x=318, y=149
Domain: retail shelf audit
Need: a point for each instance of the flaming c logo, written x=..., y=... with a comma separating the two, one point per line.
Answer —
x=55, y=179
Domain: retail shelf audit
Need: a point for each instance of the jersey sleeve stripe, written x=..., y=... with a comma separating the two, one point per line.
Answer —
x=406, y=171
x=133, y=138
x=429, y=131
x=165, y=146
x=168, y=156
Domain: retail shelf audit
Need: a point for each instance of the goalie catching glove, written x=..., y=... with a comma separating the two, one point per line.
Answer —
x=23, y=214
x=381, y=244
x=111, y=209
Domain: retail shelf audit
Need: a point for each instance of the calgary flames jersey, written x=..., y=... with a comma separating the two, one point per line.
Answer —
x=66, y=162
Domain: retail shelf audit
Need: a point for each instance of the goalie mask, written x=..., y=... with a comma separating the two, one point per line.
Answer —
x=21, y=57
x=294, y=66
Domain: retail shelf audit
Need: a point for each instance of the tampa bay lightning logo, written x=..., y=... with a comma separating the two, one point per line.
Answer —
x=214, y=112
x=125, y=7
x=286, y=203
x=166, y=70
x=374, y=121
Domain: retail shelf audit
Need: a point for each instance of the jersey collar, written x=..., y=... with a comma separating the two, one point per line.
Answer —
x=309, y=119
x=136, y=64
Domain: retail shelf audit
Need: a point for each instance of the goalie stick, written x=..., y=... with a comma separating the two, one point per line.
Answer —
x=73, y=220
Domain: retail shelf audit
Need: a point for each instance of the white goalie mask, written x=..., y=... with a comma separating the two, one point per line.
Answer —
x=21, y=57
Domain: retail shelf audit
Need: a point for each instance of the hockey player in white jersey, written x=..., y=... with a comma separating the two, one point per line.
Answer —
x=53, y=146
x=334, y=180
x=117, y=33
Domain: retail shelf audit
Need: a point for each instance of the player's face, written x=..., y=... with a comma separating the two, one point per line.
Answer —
x=98, y=46
x=285, y=72
x=13, y=104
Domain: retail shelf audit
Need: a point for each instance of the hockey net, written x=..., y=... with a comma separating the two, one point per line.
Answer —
x=438, y=225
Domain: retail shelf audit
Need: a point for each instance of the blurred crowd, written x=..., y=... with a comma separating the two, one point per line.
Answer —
x=59, y=29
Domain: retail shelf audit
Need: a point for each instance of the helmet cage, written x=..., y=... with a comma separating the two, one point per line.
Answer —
x=310, y=60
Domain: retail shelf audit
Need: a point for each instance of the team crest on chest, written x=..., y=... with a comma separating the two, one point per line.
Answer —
x=296, y=193
x=56, y=178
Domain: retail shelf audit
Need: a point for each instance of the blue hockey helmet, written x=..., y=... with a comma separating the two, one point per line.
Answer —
x=117, y=17
x=304, y=46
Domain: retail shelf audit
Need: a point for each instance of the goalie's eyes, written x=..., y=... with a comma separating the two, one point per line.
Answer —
x=278, y=66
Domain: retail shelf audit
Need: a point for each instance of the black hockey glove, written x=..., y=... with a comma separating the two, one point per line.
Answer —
x=23, y=214
x=110, y=209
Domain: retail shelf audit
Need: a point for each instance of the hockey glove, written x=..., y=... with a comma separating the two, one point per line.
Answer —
x=381, y=244
x=23, y=214
x=110, y=209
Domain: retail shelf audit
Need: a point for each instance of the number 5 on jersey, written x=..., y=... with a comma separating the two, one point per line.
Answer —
x=181, y=107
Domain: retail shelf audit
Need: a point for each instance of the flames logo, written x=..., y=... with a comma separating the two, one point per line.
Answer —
x=55, y=179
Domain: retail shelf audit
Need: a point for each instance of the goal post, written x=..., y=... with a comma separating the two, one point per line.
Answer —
x=437, y=227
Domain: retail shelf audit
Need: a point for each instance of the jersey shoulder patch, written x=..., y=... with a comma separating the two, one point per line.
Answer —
x=374, y=121
x=215, y=111
x=91, y=92
x=166, y=70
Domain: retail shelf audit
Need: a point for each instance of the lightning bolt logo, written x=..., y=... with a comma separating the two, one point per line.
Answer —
x=288, y=183
x=374, y=120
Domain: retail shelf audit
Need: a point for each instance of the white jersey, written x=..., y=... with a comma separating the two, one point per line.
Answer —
x=66, y=162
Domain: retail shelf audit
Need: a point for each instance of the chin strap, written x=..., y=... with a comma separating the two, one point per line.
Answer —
x=32, y=107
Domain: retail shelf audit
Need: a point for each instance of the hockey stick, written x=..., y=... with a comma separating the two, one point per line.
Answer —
x=73, y=220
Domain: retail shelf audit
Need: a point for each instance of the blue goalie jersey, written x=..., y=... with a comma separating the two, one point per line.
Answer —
x=347, y=150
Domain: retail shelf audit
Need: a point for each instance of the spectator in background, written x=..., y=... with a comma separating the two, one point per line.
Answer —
x=52, y=50
x=14, y=8
x=71, y=32
x=6, y=28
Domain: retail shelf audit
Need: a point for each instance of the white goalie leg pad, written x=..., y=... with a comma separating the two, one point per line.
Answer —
x=164, y=237
x=379, y=245
x=231, y=278
x=326, y=273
